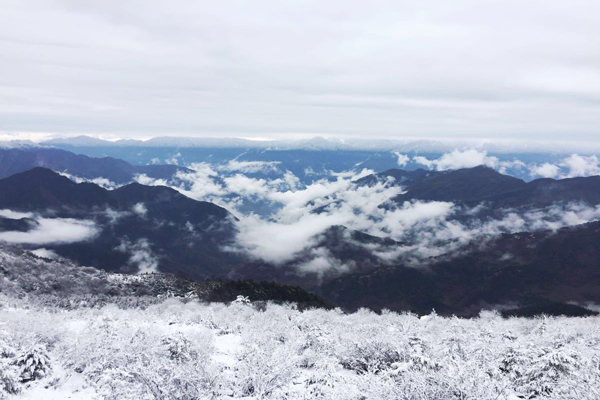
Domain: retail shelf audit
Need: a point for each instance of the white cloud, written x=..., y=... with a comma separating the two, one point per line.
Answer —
x=570, y=167
x=352, y=174
x=102, y=182
x=424, y=161
x=581, y=166
x=403, y=159
x=300, y=214
x=53, y=230
x=249, y=167
x=114, y=215
x=545, y=170
x=144, y=179
x=199, y=184
x=174, y=160
x=15, y=214
x=140, y=209
x=247, y=187
x=45, y=253
x=458, y=159
x=504, y=166
x=141, y=255
x=278, y=242
x=322, y=262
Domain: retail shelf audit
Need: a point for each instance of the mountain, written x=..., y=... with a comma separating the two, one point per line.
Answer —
x=41, y=188
x=17, y=225
x=137, y=227
x=526, y=269
x=545, y=192
x=472, y=186
x=15, y=160
x=151, y=224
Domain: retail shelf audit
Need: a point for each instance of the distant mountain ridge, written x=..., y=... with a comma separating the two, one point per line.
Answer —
x=472, y=186
x=320, y=143
x=15, y=160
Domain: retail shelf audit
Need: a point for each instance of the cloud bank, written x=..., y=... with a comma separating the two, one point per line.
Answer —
x=49, y=230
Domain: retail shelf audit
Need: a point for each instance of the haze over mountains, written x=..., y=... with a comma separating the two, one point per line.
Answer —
x=451, y=239
x=313, y=158
x=320, y=143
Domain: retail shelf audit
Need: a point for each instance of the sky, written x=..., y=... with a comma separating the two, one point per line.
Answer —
x=294, y=69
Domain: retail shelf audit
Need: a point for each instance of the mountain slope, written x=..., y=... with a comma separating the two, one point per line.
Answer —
x=521, y=268
x=58, y=281
x=472, y=186
x=399, y=176
x=137, y=225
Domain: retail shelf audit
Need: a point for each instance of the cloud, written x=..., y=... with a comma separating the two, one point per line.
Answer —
x=353, y=174
x=245, y=186
x=322, y=262
x=174, y=160
x=458, y=159
x=545, y=170
x=144, y=179
x=278, y=242
x=14, y=214
x=581, y=166
x=53, y=231
x=424, y=161
x=140, y=209
x=141, y=255
x=425, y=229
x=403, y=159
x=45, y=253
x=250, y=167
x=570, y=167
x=102, y=182
x=289, y=229
x=114, y=215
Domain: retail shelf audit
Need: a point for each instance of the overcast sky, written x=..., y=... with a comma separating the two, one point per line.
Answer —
x=287, y=69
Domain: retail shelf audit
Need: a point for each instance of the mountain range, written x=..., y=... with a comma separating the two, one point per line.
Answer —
x=15, y=160
x=321, y=143
x=168, y=232
x=473, y=186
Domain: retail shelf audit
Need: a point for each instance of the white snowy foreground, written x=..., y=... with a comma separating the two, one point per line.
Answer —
x=177, y=350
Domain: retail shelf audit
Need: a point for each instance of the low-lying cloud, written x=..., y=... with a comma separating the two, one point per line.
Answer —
x=296, y=215
x=140, y=255
x=49, y=230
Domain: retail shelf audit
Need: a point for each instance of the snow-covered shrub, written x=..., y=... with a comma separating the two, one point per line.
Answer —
x=176, y=349
x=33, y=364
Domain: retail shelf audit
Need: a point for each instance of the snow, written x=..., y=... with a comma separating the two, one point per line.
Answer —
x=175, y=349
x=71, y=386
x=227, y=347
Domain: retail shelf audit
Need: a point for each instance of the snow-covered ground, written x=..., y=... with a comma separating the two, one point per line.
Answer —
x=186, y=350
